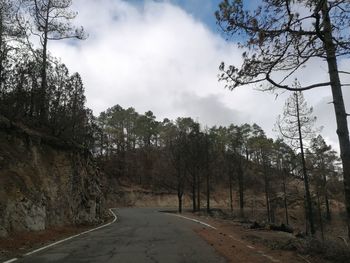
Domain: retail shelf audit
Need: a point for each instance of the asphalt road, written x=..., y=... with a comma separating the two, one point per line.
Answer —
x=140, y=235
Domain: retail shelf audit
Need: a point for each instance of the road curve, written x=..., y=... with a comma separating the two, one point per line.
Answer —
x=140, y=235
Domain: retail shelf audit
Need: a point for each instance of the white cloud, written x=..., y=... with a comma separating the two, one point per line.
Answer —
x=158, y=57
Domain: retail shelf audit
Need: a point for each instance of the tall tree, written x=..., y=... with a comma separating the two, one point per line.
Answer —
x=285, y=164
x=207, y=159
x=190, y=129
x=51, y=20
x=296, y=126
x=9, y=33
x=147, y=131
x=177, y=149
x=4, y=9
x=323, y=159
x=76, y=104
x=236, y=146
x=280, y=38
x=262, y=149
x=178, y=143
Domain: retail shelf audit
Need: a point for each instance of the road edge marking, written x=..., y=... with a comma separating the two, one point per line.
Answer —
x=66, y=239
x=11, y=260
x=271, y=258
x=194, y=220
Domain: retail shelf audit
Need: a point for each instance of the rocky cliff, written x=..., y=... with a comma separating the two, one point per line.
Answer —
x=45, y=182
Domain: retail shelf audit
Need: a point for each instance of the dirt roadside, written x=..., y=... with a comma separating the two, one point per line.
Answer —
x=18, y=244
x=231, y=239
x=239, y=244
x=21, y=243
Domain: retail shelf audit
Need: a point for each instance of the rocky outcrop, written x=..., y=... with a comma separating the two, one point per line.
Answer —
x=45, y=182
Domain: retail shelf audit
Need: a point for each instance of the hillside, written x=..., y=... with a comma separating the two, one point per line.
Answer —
x=45, y=182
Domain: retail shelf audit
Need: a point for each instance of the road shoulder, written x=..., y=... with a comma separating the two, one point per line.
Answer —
x=239, y=244
x=27, y=243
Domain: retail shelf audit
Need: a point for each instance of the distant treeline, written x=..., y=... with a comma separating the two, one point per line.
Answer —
x=181, y=156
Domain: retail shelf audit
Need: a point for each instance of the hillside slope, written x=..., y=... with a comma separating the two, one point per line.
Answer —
x=45, y=182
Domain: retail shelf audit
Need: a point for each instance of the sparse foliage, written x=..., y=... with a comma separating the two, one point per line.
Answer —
x=280, y=38
x=296, y=125
x=50, y=20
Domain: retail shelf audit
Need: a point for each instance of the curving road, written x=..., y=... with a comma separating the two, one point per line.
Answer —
x=140, y=235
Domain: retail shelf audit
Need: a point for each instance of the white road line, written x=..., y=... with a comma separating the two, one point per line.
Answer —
x=251, y=247
x=66, y=239
x=205, y=224
x=194, y=220
x=11, y=260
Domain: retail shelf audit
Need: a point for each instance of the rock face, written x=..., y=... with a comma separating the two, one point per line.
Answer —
x=44, y=182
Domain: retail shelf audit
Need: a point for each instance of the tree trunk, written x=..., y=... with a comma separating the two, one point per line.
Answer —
x=208, y=191
x=207, y=172
x=328, y=211
x=320, y=215
x=43, y=89
x=324, y=190
x=2, y=52
x=179, y=197
x=198, y=193
x=267, y=195
x=324, y=186
x=309, y=210
x=285, y=198
x=240, y=188
x=339, y=107
x=180, y=187
x=194, y=207
x=231, y=194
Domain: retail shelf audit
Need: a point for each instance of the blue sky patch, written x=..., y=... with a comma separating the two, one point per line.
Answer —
x=202, y=10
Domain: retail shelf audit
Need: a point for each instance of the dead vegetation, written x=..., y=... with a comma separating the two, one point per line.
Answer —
x=333, y=248
x=20, y=243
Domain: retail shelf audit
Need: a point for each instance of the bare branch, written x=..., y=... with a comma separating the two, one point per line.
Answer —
x=297, y=89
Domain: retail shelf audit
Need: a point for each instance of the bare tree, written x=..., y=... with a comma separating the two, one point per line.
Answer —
x=279, y=39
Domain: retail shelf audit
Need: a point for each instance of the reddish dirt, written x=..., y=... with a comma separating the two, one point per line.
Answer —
x=238, y=244
x=20, y=243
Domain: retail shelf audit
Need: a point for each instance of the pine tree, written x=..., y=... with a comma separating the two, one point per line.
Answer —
x=296, y=126
x=277, y=37
x=51, y=20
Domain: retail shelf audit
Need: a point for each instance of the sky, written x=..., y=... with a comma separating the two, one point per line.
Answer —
x=164, y=56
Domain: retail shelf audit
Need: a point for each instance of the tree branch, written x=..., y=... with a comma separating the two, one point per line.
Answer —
x=296, y=89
